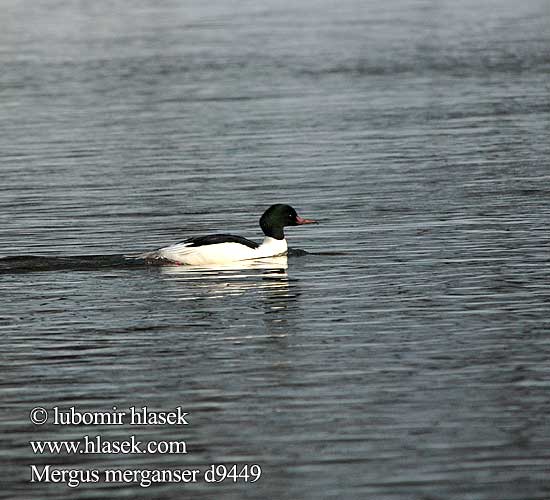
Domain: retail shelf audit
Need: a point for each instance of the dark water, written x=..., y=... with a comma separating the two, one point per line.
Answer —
x=413, y=365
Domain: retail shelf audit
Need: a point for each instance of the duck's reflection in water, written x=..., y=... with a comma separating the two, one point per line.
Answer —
x=234, y=279
x=227, y=292
x=280, y=262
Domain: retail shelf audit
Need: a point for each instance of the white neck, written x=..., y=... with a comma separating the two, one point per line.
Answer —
x=271, y=247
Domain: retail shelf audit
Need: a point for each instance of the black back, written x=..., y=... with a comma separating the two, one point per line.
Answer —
x=214, y=239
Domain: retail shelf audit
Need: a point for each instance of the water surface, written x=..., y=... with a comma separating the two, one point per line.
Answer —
x=412, y=364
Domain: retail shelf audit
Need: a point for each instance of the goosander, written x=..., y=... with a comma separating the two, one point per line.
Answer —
x=223, y=248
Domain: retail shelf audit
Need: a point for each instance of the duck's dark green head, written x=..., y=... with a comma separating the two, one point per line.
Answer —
x=276, y=217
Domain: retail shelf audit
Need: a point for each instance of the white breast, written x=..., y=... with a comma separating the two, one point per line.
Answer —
x=221, y=253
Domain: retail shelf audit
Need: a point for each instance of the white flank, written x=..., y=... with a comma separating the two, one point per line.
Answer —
x=221, y=253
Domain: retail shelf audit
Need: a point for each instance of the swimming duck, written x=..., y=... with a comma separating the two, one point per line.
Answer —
x=223, y=248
